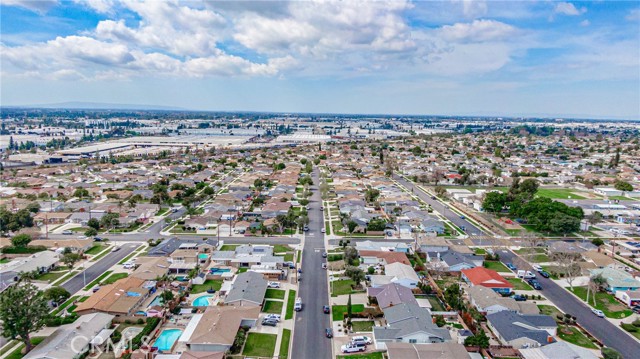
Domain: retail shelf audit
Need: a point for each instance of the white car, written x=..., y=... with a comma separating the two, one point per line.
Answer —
x=350, y=348
x=361, y=339
x=273, y=285
x=323, y=230
x=275, y=317
x=129, y=265
x=598, y=312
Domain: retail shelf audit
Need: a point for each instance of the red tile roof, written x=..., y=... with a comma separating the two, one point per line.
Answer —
x=486, y=278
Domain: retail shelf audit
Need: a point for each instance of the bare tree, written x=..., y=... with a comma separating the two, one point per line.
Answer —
x=568, y=266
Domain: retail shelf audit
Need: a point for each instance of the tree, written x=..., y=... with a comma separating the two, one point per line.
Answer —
x=349, y=309
x=91, y=232
x=23, y=309
x=562, y=223
x=33, y=207
x=93, y=223
x=56, y=294
x=69, y=259
x=350, y=255
x=623, y=186
x=356, y=274
x=371, y=195
x=568, y=265
x=371, y=270
x=440, y=322
x=21, y=240
x=480, y=339
x=598, y=242
x=494, y=201
x=610, y=353
x=452, y=296
x=351, y=226
x=166, y=297
x=81, y=192
x=440, y=191
x=595, y=218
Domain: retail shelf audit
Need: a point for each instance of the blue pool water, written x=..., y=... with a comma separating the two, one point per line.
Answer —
x=167, y=338
x=156, y=301
x=202, y=301
x=203, y=256
x=219, y=270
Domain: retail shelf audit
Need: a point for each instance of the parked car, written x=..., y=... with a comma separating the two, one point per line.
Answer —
x=98, y=239
x=526, y=274
x=324, y=265
x=116, y=248
x=636, y=309
x=519, y=297
x=462, y=217
x=128, y=265
x=324, y=254
x=67, y=232
x=536, y=267
x=361, y=339
x=323, y=230
x=273, y=285
x=512, y=267
x=545, y=274
x=349, y=348
x=326, y=309
x=328, y=332
x=535, y=284
x=95, y=289
x=598, y=312
x=275, y=317
x=305, y=228
x=321, y=208
x=299, y=270
x=269, y=322
x=298, y=305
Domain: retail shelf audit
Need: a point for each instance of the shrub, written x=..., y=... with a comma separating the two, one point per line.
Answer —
x=148, y=328
x=629, y=327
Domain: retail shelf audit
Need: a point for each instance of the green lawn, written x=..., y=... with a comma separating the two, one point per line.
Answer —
x=342, y=287
x=95, y=249
x=576, y=337
x=5, y=260
x=242, y=270
x=97, y=280
x=17, y=353
x=605, y=302
x=338, y=311
x=549, y=310
x=114, y=278
x=275, y=294
x=79, y=229
x=51, y=276
x=104, y=253
x=496, y=266
x=335, y=257
x=229, y=247
x=436, y=305
x=272, y=306
x=519, y=284
x=288, y=257
x=260, y=345
x=480, y=251
x=558, y=193
x=362, y=326
x=291, y=301
x=536, y=255
x=280, y=248
x=284, y=343
x=214, y=284
x=376, y=355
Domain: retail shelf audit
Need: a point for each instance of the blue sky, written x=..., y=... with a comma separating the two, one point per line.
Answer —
x=459, y=57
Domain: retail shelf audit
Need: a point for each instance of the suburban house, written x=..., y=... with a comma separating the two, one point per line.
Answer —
x=71, y=341
x=408, y=323
x=630, y=297
x=486, y=278
x=215, y=330
x=487, y=301
x=150, y=268
x=383, y=246
x=121, y=298
x=383, y=258
x=184, y=260
x=522, y=330
x=558, y=350
x=617, y=279
x=447, y=350
x=248, y=289
x=75, y=245
x=453, y=261
x=392, y=294
x=41, y=262
x=396, y=273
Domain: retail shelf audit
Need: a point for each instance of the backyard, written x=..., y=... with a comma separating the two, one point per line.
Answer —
x=208, y=284
x=260, y=345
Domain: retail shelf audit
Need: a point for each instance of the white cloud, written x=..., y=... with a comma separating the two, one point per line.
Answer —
x=585, y=23
x=633, y=15
x=474, y=8
x=478, y=31
x=39, y=6
x=567, y=8
x=100, y=6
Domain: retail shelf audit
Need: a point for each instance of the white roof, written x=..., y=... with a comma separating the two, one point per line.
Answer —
x=400, y=270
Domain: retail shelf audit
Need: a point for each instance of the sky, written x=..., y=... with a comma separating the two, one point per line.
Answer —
x=458, y=57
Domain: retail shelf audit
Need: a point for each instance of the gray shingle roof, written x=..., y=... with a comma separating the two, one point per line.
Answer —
x=406, y=319
x=511, y=325
x=248, y=286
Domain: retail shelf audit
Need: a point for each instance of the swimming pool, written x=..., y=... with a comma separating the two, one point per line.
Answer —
x=219, y=270
x=202, y=301
x=166, y=339
x=156, y=301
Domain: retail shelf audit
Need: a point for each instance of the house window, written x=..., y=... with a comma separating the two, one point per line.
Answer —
x=413, y=341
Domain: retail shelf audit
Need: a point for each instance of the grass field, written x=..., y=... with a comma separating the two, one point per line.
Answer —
x=229, y=247
x=260, y=345
x=605, y=302
x=558, y=193
x=576, y=337
x=549, y=310
x=284, y=343
x=496, y=266
x=52, y=276
x=275, y=294
x=342, y=287
x=376, y=355
x=291, y=301
x=113, y=278
x=362, y=326
x=95, y=249
x=272, y=306
x=208, y=284
x=338, y=311
x=519, y=284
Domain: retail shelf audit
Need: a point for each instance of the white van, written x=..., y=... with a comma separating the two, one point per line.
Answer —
x=298, y=305
x=525, y=274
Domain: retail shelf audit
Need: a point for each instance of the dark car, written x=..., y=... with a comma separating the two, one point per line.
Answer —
x=511, y=266
x=328, y=332
x=97, y=239
x=326, y=309
x=535, y=284
x=519, y=297
x=324, y=254
x=270, y=322
x=545, y=274
x=636, y=309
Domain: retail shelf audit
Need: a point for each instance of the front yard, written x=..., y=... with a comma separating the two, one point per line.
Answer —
x=575, y=337
x=260, y=345
x=496, y=266
x=605, y=302
x=272, y=306
x=519, y=284
x=362, y=326
x=342, y=287
x=274, y=294
x=338, y=311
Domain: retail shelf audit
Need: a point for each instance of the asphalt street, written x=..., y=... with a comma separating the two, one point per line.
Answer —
x=309, y=340
x=78, y=282
x=441, y=208
x=605, y=331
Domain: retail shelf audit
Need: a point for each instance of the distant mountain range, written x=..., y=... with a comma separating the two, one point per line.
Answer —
x=101, y=106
